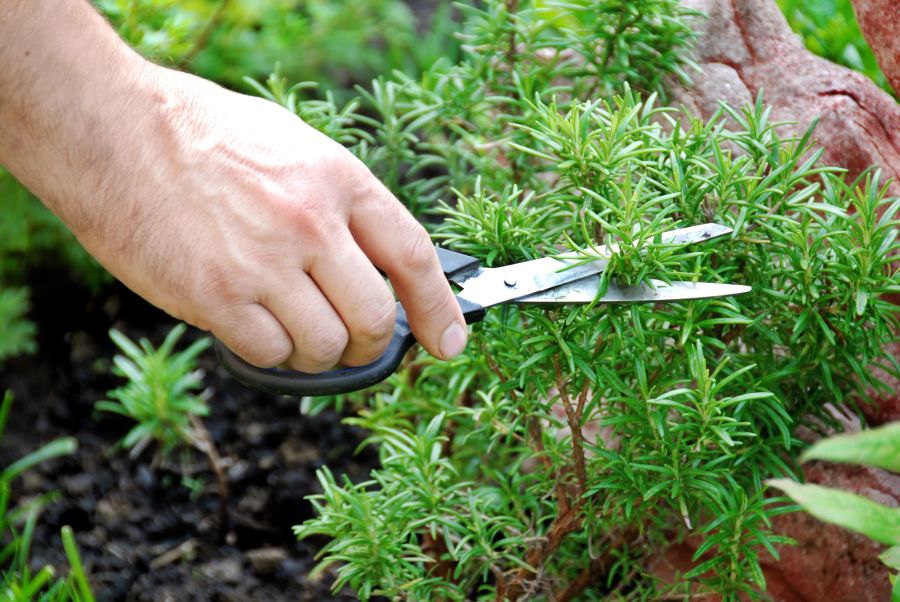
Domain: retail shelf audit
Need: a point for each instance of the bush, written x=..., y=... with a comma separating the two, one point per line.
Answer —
x=570, y=445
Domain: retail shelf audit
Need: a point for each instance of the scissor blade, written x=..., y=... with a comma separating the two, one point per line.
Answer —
x=681, y=236
x=492, y=286
x=654, y=291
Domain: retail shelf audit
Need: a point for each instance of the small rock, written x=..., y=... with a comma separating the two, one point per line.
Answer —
x=268, y=462
x=254, y=433
x=227, y=570
x=82, y=348
x=297, y=453
x=265, y=561
x=238, y=471
x=254, y=501
x=110, y=510
x=145, y=478
x=33, y=481
x=78, y=485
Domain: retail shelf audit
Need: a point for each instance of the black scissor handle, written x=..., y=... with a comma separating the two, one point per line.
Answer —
x=341, y=380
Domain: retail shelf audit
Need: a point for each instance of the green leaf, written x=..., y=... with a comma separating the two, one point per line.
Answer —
x=54, y=449
x=878, y=447
x=846, y=510
x=891, y=557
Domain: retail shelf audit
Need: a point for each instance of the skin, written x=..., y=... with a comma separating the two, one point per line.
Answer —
x=224, y=210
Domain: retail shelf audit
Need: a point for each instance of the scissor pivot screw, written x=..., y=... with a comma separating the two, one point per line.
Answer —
x=510, y=282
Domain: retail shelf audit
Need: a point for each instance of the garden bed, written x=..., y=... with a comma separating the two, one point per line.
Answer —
x=143, y=534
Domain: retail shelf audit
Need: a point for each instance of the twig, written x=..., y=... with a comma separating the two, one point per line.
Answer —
x=574, y=427
x=534, y=431
x=204, y=442
x=565, y=523
x=183, y=550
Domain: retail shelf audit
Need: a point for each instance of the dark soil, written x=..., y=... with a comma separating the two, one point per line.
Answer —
x=143, y=534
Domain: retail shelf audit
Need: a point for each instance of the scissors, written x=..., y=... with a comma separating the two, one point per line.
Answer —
x=548, y=280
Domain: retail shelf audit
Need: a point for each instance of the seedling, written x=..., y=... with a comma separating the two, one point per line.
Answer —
x=165, y=396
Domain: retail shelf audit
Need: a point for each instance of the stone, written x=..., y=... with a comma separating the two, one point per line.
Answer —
x=828, y=562
x=226, y=570
x=266, y=561
x=879, y=21
x=746, y=46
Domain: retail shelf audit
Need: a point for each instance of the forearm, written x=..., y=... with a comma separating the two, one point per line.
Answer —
x=68, y=89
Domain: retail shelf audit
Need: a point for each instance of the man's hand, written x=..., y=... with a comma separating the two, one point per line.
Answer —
x=226, y=211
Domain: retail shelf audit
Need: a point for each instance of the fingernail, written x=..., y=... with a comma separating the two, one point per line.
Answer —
x=453, y=341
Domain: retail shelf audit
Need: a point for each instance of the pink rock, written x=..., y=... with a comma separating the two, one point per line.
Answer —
x=879, y=21
x=746, y=46
x=827, y=563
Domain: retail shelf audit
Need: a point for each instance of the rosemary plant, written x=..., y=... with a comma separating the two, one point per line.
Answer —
x=160, y=392
x=570, y=446
x=161, y=396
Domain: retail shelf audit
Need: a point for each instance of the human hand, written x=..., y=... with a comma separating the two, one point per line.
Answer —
x=239, y=218
x=226, y=211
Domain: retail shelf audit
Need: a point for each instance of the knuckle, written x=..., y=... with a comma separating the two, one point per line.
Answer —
x=369, y=338
x=435, y=306
x=337, y=167
x=271, y=354
x=324, y=350
x=307, y=215
x=418, y=252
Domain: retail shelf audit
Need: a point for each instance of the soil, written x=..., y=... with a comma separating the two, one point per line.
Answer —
x=144, y=535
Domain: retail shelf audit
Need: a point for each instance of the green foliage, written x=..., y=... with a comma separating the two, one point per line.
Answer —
x=163, y=30
x=337, y=43
x=161, y=390
x=876, y=447
x=16, y=332
x=30, y=233
x=29, y=236
x=829, y=29
x=18, y=581
x=573, y=441
x=847, y=510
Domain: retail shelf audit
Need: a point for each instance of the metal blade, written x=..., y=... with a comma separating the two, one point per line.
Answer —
x=682, y=236
x=491, y=286
x=654, y=291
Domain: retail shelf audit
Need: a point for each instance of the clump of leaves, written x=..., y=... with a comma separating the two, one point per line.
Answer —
x=164, y=394
x=330, y=41
x=878, y=447
x=18, y=581
x=163, y=391
x=30, y=235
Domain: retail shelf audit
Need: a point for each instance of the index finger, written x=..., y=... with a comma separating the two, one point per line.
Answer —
x=398, y=244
